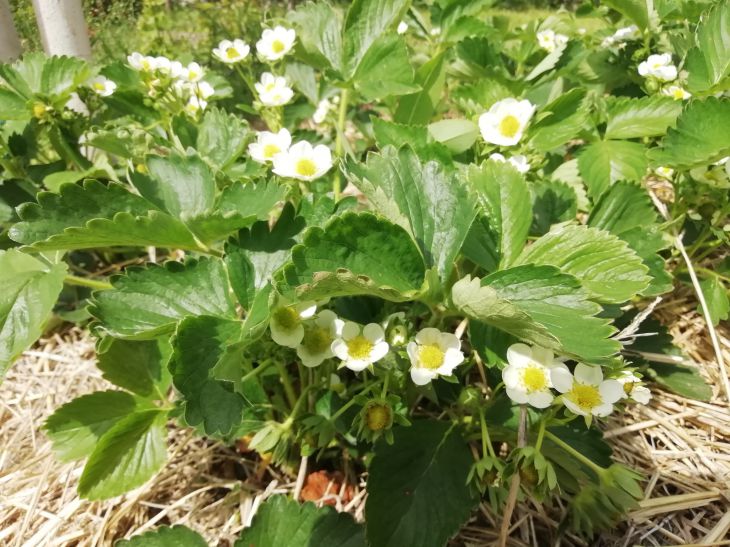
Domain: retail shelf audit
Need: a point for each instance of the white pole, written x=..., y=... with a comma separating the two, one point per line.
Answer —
x=10, y=48
x=62, y=26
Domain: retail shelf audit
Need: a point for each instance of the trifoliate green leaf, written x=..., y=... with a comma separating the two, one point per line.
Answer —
x=419, y=107
x=630, y=118
x=184, y=186
x=221, y=137
x=552, y=202
x=604, y=162
x=417, y=486
x=565, y=118
x=137, y=365
x=164, y=536
x=708, y=63
x=319, y=30
x=385, y=70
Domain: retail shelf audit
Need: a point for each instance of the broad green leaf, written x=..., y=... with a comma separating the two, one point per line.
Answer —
x=221, y=137
x=700, y=137
x=146, y=302
x=399, y=134
x=319, y=30
x=604, y=264
x=164, y=536
x=504, y=197
x=354, y=254
x=680, y=379
x=138, y=366
x=630, y=118
x=565, y=118
x=708, y=64
x=625, y=210
x=61, y=75
x=13, y=106
x=426, y=198
x=75, y=427
x=716, y=299
x=547, y=63
x=418, y=108
x=539, y=304
x=385, y=70
x=30, y=289
x=280, y=521
x=417, y=487
x=304, y=79
x=552, y=202
x=604, y=162
x=481, y=245
x=184, y=186
x=126, y=456
x=568, y=173
x=457, y=135
x=640, y=12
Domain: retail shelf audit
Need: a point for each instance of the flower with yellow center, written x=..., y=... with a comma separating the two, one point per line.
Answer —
x=433, y=353
x=102, y=86
x=585, y=392
x=359, y=347
x=141, y=62
x=664, y=172
x=518, y=161
x=549, y=40
x=316, y=345
x=275, y=43
x=286, y=323
x=273, y=90
x=527, y=375
x=195, y=105
x=634, y=388
x=678, y=93
x=659, y=67
x=231, y=52
x=303, y=162
x=505, y=122
x=269, y=144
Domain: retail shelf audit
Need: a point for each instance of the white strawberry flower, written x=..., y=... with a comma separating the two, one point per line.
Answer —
x=664, y=172
x=527, y=377
x=585, y=392
x=163, y=64
x=634, y=388
x=269, y=144
x=320, y=114
x=273, y=90
x=624, y=34
x=287, y=323
x=303, y=162
x=676, y=92
x=316, y=345
x=549, y=40
x=402, y=27
x=192, y=73
x=518, y=161
x=102, y=86
x=505, y=122
x=140, y=62
x=659, y=66
x=275, y=43
x=433, y=353
x=195, y=105
x=231, y=52
x=203, y=90
x=359, y=347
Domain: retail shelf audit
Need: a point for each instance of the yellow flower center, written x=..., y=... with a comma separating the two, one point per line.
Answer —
x=359, y=347
x=270, y=150
x=534, y=378
x=192, y=75
x=287, y=318
x=270, y=86
x=305, y=167
x=317, y=340
x=430, y=356
x=628, y=387
x=585, y=396
x=146, y=65
x=231, y=53
x=378, y=416
x=99, y=86
x=277, y=46
x=678, y=94
x=509, y=126
x=39, y=109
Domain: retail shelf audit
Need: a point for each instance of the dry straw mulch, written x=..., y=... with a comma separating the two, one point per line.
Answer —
x=681, y=446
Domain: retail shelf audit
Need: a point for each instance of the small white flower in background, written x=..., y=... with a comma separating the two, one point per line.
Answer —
x=103, y=86
x=163, y=64
x=176, y=69
x=622, y=35
x=141, y=62
x=402, y=27
x=506, y=121
x=203, y=90
x=273, y=90
x=433, y=353
x=518, y=161
x=231, y=52
x=286, y=324
x=676, y=92
x=582, y=31
x=359, y=347
x=664, y=172
x=319, y=334
x=634, y=388
x=659, y=66
x=323, y=108
x=549, y=40
x=192, y=73
x=269, y=144
x=74, y=103
x=275, y=43
x=435, y=31
x=585, y=392
x=527, y=377
x=303, y=162
x=195, y=105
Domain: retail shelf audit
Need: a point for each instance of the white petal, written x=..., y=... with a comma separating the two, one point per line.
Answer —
x=422, y=376
x=561, y=378
x=641, y=394
x=452, y=359
x=350, y=330
x=306, y=309
x=611, y=391
x=519, y=354
x=412, y=350
x=339, y=348
x=325, y=318
x=373, y=332
x=575, y=409
x=448, y=340
x=588, y=374
x=511, y=377
x=379, y=351
x=602, y=410
x=284, y=337
x=310, y=359
x=544, y=356
x=517, y=396
x=540, y=399
x=357, y=364
x=428, y=336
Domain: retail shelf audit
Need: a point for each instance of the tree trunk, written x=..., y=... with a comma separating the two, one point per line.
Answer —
x=62, y=26
x=9, y=42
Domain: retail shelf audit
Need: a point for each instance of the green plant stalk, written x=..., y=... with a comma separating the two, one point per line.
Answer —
x=258, y=370
x=291, y=395
x=339, y=142
x=597, y=469
x=487, y=447
x=85, y=282
x=540, y=434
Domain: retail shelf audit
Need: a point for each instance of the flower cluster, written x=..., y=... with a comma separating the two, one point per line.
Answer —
x=300, y=161
x=533, y=372
x=660, y=71
x=317, y=336
x=549, y=40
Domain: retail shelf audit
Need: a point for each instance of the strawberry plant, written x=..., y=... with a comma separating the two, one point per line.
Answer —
x=410, y=235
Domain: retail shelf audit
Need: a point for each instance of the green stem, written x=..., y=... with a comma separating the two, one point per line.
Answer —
x=85, y=282
x=291, y=395
x=247, y=80
x=597, y=469
x=385, y=386
x=486, y=440
x=540, y=434
x=715, y=274
x=339, y=142
x=258, y=370
x=347, y=405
